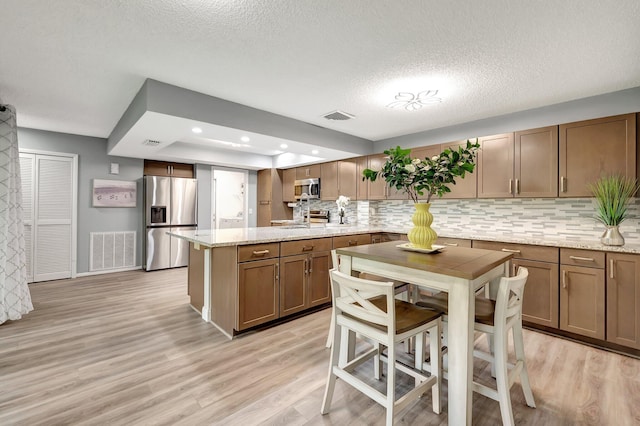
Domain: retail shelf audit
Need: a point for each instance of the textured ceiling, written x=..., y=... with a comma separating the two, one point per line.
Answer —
x=74, y=66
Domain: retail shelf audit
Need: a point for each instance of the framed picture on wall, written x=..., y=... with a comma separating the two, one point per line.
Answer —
x=114, y=193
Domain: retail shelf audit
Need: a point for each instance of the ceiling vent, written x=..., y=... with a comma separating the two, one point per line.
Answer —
x=151, y=142
x=338, y=116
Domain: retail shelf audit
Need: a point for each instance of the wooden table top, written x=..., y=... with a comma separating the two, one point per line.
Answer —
x=461, y=262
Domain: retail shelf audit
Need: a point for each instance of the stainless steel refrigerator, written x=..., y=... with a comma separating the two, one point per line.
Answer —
x=170, y=205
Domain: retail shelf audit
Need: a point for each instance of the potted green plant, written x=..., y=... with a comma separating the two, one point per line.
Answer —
x=612, y=195
x=417, y=177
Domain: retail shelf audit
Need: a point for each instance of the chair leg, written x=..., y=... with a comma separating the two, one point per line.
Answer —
x=331, y=378
x=435, y=355
x=491, y=343
x=391, y=383
x=377, y=362
x=518, y=343
x=419, y=355
x=502, y=377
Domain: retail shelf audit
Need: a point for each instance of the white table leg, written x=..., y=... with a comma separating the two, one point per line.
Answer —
x=460, y=352
x=206, y=308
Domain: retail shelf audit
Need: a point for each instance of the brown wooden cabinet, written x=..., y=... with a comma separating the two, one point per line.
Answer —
x=338, y=178
x=362, y=192
x=592, y=148
x=453, y=242
x=582, y=293
x=163, y=168
x=623, y=299
x=329, y=181
x=379, y=190
x=384, y=237
x=304, y=278
x=351, y=240
x=258, y=292
x=536, y=162
x=495, y=166
x=466, y=187
x=540, y=302
x=306, y=172
x=288, y=189
x=425, y=152
x=270, y=203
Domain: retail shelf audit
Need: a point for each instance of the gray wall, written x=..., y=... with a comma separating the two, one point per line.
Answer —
x=93, y=163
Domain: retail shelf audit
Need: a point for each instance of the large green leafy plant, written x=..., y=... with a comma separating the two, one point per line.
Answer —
x=432, y=176
x=612, y=195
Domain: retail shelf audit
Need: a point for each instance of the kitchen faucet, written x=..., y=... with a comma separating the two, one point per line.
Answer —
x=302, y=196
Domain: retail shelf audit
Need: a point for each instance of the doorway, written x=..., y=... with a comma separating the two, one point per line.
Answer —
x=229, y=198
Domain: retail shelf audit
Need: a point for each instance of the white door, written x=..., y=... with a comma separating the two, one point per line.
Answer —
x=229, y=198
x=50, y=230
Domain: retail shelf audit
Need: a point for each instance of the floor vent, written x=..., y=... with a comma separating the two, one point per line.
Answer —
x=338, y=115
x=112, y=250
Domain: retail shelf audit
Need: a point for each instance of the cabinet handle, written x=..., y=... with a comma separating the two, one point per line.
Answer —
x=307, y=248
x=513, y=266
x=305, y=266
x=562, y=184
x=310, y=266
x=451, y=244
x=510, y=186
x=276, y=277
x=353, y=243
x=517, y=186
x=510, y=250
x=564, y=279
x=168, y=170
x=260, y=252
x=611, y=266
x=375, y=240
x=585, y=259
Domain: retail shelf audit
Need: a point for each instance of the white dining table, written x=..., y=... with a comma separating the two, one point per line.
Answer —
x=458, y=271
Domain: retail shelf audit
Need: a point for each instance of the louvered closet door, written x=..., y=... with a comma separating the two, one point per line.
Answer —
x=53, y=218
x=27, y=175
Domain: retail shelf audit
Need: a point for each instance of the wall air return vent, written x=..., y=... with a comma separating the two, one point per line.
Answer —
x=151, y=142
x=338, y=116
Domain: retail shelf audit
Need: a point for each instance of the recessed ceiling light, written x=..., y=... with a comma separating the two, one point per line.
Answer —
x=196, y=130
x=284, y=146
x=413, y=102
x=315, y=152
x=245, y=139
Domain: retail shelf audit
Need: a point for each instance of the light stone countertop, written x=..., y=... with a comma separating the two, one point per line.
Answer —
x=244, y=236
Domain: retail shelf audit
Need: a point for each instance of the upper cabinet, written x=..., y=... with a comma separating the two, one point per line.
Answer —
x=362, y=192
x=163, y=168
x=520, y=164
x=338, y=178
x=466, y=187
x=288, y=181
x=377, y=190
x=306, y=172
x=592, y=148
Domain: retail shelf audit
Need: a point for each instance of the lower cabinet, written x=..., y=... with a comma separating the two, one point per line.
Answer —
x=453, y=242
x=623, y=299
x=582, y=293
x=258, y=292
x=540, y=303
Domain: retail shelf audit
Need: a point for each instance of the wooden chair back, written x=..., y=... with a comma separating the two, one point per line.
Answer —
x=509, y=297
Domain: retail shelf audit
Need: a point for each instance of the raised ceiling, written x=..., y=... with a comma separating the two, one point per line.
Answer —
x=75, y=66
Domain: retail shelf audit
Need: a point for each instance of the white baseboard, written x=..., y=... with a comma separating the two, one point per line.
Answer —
x=86, y=274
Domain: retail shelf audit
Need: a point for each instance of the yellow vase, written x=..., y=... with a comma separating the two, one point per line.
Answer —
x=422, y=236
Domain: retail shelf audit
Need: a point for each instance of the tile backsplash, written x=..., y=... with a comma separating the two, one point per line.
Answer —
x=568, y=218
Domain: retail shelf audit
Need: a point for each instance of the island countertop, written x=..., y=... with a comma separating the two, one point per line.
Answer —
x=244, y=236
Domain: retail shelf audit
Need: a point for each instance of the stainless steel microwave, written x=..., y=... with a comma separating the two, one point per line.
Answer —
x=310, y=187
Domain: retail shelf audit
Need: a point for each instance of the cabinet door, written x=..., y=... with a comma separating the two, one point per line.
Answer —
x=377, y=190
x=156, y=168
x=540, y=302
x=453, y=242
x=495, y=166
x=293, y=288
x=306, y=172
x=318, y=278
x=589, y=149
x=623, y=299
x=536, y=162
x=425, y=152
x=362, y=191
x=466, y=187
x=329, y=181
x=347, y=175
x=288, y=180
x=182, y=170
x=257, y=292
x=582, y=301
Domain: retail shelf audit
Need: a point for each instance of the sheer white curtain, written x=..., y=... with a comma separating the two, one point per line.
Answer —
x=15, y=299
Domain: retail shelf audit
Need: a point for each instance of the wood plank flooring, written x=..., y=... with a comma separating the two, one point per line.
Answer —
x=126, y=349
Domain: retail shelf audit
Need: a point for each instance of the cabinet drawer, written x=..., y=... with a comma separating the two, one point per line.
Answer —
x=351, y=240
x=588, y=258
x=289, y=248
x=521, y=251
x=258, y=252
x=454, y=242
x=384, y=237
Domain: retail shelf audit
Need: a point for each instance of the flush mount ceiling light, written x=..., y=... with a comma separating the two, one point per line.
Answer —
x=245, y=139
x=196, y=130
x=412, y=102
x=231, y=144
x=315, y=152
x=284, y=146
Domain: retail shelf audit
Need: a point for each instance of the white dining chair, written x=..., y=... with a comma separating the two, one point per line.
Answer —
x=496, y=319
x=370, y=309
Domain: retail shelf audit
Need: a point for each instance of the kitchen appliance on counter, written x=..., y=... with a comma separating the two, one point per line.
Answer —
x=170, y=205
x=311, y=187
x=317, y=216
